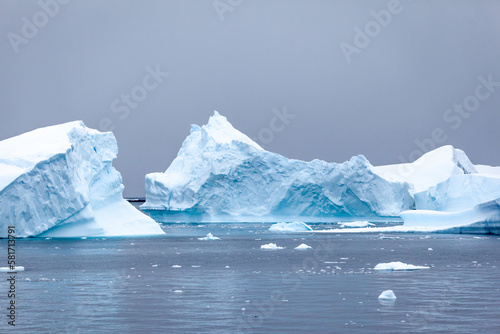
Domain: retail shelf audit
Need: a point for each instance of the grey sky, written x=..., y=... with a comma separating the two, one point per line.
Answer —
x=263, y=55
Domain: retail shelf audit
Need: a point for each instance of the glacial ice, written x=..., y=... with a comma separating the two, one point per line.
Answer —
x=387, y=295
x=290, y=227
x=398, y=266
x=7, y=269
x=271, y=246
x=59, y=181
x=358, y=224
x=220, y=172
x=209, y=237
x=303, y=247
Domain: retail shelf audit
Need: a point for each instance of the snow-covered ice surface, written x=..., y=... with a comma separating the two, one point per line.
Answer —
x=271, y=246
x=219, y=172
x=387, y=295
x=398, y=266
x=209, y=237
x=59, y=181
x=359, y=224
x=290, y=227
x=303, y=247
x=430, y=169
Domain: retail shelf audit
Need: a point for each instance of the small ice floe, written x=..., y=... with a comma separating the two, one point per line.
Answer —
x=359, y=224
x=83, y=238
x=209, y=237
x=8, y=269
x=387, y=295
x=303, y=247
x=154, y=265
x=290, y=227
x=177, y=291
x=271, y=246
x=430, y=249
x=397, y=266
x=227, y=267
x=176, y=266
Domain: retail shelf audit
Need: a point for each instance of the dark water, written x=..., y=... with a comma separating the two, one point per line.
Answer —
x=232, y=286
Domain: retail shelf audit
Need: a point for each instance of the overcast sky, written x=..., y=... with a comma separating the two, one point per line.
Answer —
x=354, y=85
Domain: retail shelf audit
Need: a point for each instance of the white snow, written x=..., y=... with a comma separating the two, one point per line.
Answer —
x=430, y=169
x=7, y=269
x=358, y=224
x=387, y=295
x=398, y=266
x=59, y=181
x=209, y=237
x=271, y=246
x=290, y=227
x=303, y=247
x=219, y=172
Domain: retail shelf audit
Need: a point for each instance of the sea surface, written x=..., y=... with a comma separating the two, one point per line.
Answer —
x=179, y=284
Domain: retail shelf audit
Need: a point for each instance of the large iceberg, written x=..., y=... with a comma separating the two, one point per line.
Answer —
x=59, y=181
x=451, y=194
x=221, y=174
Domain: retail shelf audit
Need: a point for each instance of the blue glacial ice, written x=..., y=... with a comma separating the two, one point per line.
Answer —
x=59, y=181
x=221, y=174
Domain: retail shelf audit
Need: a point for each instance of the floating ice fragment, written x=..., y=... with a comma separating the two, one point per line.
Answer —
x=271, y=246
x=176, y=266
x=303, y=247
x=209, y=237
x=8, y=269
x=358, y=224
x=290, y=227
x=387, y=295
x=397, y=266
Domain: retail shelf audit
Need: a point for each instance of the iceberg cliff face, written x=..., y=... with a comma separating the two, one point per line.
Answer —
x=59, y=181
x=220, y=172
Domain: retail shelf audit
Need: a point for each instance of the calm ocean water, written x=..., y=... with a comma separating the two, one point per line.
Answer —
x=178, y=284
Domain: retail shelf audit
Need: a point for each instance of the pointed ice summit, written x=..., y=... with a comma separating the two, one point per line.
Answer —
x=59, y=181
x=221, y=174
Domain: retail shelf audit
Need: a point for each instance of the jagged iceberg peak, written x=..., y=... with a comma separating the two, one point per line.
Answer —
x=59, y=181
x=430, y=169
x=219, y=171
x=222, y=132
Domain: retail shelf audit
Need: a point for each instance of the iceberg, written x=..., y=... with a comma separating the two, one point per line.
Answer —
x=359, y=224
x=209, y=237
x=221, y=174
x=303, y=247
x=59, y=181
x=271, y=246
x=397, y=266
x=430, y=169
x=290, y=227
x=387, y=295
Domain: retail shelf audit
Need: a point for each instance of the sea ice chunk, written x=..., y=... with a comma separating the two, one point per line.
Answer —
x=303, y=247
x=397, y=266
x=359, y=224
x=271, y=246
x=59, y=181
x=7, y=269
x=290, y=227
x=209, y=237
x=387, y=295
